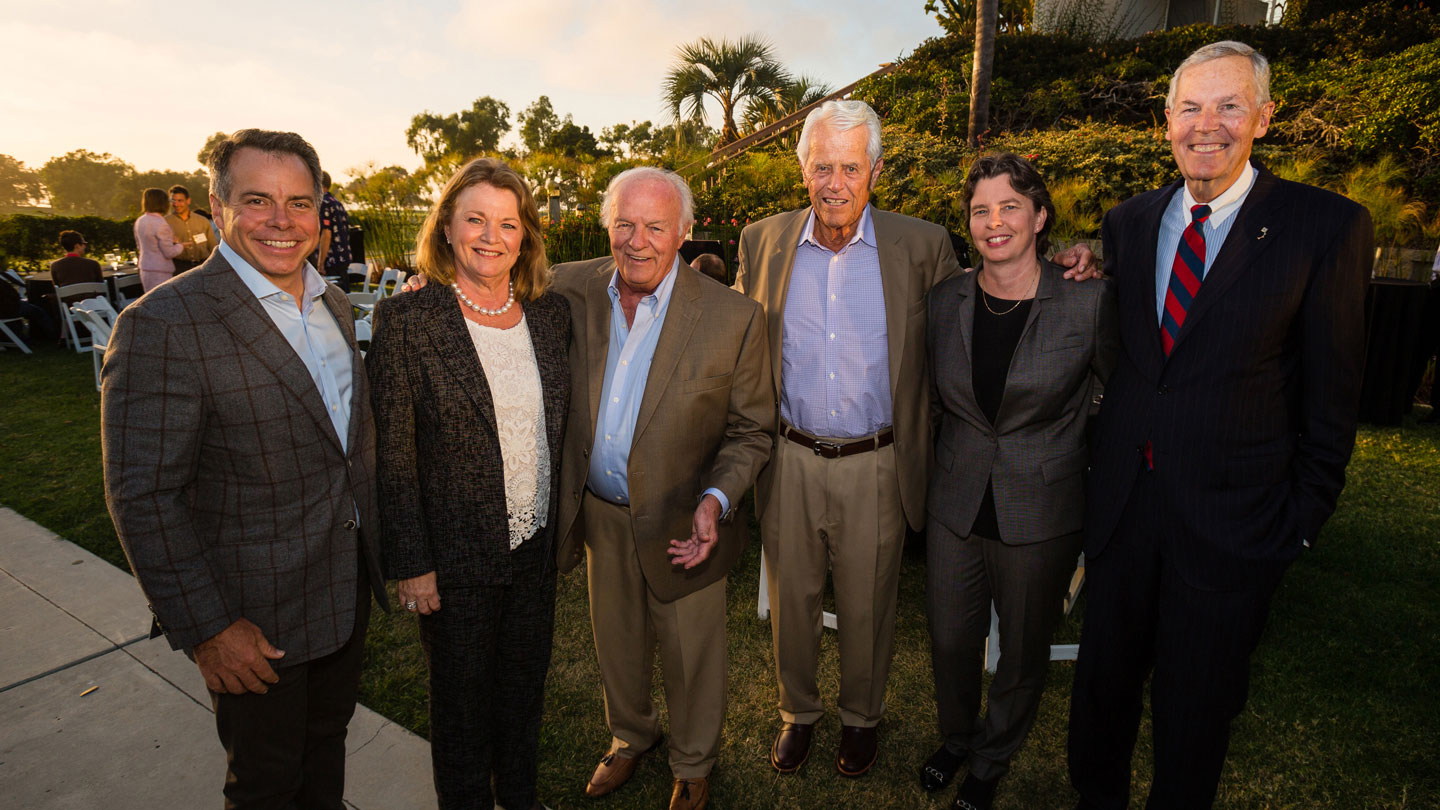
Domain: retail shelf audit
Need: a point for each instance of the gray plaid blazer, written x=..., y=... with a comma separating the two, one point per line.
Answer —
x=224, y=476
x=1036, y=452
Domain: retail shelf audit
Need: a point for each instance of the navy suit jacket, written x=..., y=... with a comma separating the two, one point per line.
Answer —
x=1252, y=416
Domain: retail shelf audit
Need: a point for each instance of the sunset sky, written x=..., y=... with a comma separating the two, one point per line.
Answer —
x=148, y=82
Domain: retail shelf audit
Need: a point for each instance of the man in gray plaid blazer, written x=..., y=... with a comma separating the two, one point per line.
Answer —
x=239, y=470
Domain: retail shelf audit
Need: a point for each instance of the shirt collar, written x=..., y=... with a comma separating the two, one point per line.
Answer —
x=865, y=233
x=1225, y=205
x=661, y=295
x=263, y=287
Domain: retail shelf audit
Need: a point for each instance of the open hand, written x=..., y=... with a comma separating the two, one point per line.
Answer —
x=705, y=533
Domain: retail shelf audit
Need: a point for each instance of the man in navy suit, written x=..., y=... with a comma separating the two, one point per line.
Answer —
x=1221, y=446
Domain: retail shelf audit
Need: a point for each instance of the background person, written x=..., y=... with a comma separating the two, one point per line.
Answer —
x=74, y=267
x=333, y=258
x=192, y=231
x=155, y=240
x=1017, y=354
x=712, y=266
x=471, y=390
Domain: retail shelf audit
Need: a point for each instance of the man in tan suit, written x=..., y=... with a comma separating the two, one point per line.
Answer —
x=671, y=418
x=844, y=287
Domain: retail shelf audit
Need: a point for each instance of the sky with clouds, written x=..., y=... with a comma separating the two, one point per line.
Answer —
x=148, y=81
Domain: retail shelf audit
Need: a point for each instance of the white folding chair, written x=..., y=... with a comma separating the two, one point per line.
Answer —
x=389, y=281
x=11, y=335
x=98, y=315
x=127, y=289
x=67, y=295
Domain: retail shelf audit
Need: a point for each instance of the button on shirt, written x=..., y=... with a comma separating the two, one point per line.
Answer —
x=311, y=330
x=627, y=367
x=834, y=351
x=1177, y=218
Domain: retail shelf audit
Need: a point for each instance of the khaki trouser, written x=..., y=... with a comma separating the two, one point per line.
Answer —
x=842, y=515
x=628, y=621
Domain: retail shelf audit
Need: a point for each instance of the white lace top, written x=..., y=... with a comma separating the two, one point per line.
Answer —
x=509, y=362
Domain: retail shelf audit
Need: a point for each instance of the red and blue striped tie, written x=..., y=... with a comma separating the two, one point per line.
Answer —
x=1185, y=276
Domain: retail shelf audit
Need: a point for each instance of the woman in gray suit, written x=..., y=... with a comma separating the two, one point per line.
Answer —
x=1017, y=356
x=470, y=382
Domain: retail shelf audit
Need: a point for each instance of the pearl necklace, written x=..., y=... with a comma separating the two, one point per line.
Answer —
x=465, y=299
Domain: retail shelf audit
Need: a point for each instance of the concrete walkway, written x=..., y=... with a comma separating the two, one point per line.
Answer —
x=145, y=737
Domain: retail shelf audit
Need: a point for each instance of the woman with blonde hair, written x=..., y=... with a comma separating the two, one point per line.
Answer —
x=470, y=382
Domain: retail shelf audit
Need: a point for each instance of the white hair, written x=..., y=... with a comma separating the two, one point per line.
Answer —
x=842, y=116
x=1220, y=50
x=675, y=181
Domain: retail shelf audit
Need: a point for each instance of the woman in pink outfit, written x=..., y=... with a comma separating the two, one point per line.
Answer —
x=155, y=240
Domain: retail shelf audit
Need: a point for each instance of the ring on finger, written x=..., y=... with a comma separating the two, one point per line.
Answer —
x=412, y=605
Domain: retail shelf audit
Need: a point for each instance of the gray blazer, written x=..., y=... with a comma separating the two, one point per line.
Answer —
x=224, y=475
x=1035, y=454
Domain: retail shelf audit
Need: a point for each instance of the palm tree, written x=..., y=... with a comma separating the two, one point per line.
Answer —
x=794, y=97
x=733, y=73
x=985, y=11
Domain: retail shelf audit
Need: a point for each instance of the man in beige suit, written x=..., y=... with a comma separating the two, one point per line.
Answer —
x=671, y=418
x=844, y=287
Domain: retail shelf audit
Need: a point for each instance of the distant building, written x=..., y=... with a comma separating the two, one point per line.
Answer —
x=1124, y=19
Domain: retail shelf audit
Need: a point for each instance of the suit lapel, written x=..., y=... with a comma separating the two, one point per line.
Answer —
x=237, y=308
x=1256, y=220
x=961, y=329
x=456, y=351
x=779, y=264
x=550, y=360
x=895, y=282
x=1025, y=346
x=680, y=318
x=597, y=336
x=1148, y=230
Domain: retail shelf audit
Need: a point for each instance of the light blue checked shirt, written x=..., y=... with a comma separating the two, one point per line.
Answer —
x=834, y=355
x=1177, y=218
x=311, y=331
x=627, y=368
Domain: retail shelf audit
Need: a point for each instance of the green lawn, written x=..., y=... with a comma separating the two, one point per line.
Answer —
x=1345, y=698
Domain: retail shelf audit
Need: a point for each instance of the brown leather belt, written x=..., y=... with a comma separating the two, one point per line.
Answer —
x=829, y=449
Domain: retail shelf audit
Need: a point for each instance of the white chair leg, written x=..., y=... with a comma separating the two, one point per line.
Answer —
x=14, y=338
x=992, y=642
x=95, y=358
x=1058, y=652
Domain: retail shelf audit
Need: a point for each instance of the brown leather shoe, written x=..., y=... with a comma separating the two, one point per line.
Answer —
x=690, y=794
x=613, y=771
x=792, y=746
x=858, y=748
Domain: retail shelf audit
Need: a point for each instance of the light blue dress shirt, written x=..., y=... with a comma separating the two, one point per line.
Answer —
x=834, y=352
x=311, y=331
x=1177, y=218
x=627, y=368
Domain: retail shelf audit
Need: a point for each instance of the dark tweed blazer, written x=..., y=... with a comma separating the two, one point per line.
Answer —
x=442, y=481
x=1035, y=454
x=228, y=486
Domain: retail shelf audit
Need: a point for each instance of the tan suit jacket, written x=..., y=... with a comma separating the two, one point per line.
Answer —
x=706, y=419
x=914, y=256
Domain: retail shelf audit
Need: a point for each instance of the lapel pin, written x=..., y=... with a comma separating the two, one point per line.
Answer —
x=1263, y=231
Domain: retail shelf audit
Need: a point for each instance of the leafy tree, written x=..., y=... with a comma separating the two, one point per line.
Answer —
x=958, y=16
x=538, y=123
x=210, y=144
x=575, y=141
x=82, y=182
x=466, y=134
x=126, y=197
x=388, y=187
x=793, y=97
x=735, y=74
x=18, y=185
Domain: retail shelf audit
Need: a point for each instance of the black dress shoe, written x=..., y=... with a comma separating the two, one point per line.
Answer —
x=975, y=794
x=791, y=747
x=858, y=749
x=940, y=769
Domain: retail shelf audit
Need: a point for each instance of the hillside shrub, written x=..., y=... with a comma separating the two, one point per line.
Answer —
x=29, y=243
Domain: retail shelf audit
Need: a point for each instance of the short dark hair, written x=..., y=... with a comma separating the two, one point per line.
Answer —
x=154, y=201
x=325, y=180
x=179, y=189
x=71, y=240
x=275, y=143
x=712, y=266
x=1024, y=178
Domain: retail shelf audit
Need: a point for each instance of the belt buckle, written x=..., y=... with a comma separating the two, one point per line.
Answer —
x=827, y=449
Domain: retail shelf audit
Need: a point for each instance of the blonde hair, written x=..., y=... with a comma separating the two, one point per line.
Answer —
x=436, y=259
x=1219, y=50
